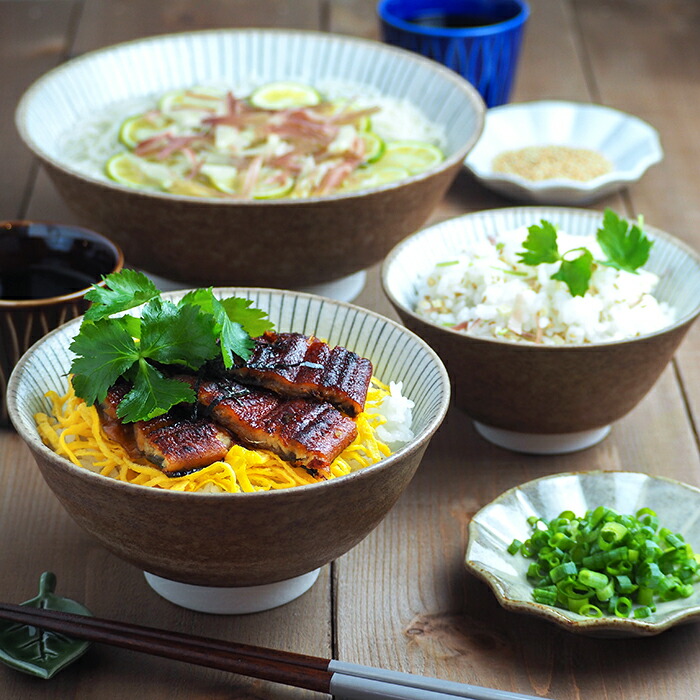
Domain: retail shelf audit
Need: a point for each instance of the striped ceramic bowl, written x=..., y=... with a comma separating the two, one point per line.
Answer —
x=544, y=398
x=265, y=546
x=282, y=243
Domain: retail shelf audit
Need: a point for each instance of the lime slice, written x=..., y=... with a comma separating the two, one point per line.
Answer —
x=374, y=146
x=197, y=98
x=131, y=170
x=223, y=177
x=284, y=95
x=414, y=156
x=141, y=127
x=273, y=184
x=373, y=176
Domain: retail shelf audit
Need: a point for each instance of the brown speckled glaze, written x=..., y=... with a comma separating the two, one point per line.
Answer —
x=229, y=539
x=546, y=390
x=273, y=243
x=282, y=244
x=243, y=539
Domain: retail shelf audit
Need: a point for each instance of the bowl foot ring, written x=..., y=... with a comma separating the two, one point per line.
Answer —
x=537, y=444
x=238, y=600
x=343, y=289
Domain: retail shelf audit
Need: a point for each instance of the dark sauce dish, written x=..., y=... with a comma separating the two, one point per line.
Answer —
x=43, y=261
x=45, y=271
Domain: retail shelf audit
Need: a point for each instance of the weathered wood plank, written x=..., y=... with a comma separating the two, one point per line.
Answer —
x=33, y=39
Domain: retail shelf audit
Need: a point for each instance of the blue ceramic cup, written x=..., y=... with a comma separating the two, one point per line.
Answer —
x=479, y=39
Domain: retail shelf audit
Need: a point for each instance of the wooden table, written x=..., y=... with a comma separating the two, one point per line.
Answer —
x=402, y=598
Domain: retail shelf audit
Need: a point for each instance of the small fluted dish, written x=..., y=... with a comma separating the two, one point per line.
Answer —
x=630, y=144
x=495, y=526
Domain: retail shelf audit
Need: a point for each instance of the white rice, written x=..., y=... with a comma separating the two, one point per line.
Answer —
x=88, y=146
x=398, y=411
x=486, y=292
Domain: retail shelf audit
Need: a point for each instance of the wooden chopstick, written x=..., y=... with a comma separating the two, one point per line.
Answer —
x=347, y=680
x=286, y=667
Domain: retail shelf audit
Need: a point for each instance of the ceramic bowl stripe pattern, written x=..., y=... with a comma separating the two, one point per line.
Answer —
x=676, y=264
x=395, y=353
x=242, y=60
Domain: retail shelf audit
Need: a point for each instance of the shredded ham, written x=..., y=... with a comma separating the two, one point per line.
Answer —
x=296, y=142
x=251, y=177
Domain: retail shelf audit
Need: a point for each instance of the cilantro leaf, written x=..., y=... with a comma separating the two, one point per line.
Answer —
x=181, y=335
x=125, y=290
x=254, y=321
x=541, y=242
x=186, y=334
x=238, y=322
x=576, y=273
x=152, y=394
x=625, y=245
x=234, y=339
x=105, y=351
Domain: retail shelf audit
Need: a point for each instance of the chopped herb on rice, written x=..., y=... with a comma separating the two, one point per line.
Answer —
x=488, y=292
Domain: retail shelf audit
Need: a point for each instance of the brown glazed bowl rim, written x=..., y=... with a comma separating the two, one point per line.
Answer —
x=35, y=443
x=457, y=157
x=394, y=255
x=89, y=234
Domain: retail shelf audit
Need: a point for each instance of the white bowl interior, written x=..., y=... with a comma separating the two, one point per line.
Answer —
x=396, y=354
x=677, y=266
x=242, y=59
x=496, y=525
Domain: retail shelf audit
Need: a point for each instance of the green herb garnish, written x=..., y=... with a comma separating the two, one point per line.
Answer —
x=187, y=334
x=624, y=244
x=607, y=563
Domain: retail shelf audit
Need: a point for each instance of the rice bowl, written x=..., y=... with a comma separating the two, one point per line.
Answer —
x=536, y=397
x=243, y=540
x=486, y=291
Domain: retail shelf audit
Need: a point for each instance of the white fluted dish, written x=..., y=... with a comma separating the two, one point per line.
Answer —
x=629, y=143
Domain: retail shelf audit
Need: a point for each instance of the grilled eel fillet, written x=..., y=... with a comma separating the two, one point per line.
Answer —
x=307, y=433
x=175, y=442
x=292, y=364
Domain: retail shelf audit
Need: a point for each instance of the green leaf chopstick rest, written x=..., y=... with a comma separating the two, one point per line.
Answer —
x=38, y=652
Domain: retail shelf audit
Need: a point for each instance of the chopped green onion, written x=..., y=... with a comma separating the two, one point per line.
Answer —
x=623, y=607
x=607, y=563
x=514, y=546
x=447, y=263
x=590, y=611
x=592, y=579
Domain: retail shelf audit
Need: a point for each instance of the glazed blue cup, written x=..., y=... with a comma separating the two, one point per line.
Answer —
x=479, y=39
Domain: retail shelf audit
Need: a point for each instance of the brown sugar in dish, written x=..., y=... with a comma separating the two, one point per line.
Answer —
x=550, y=162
